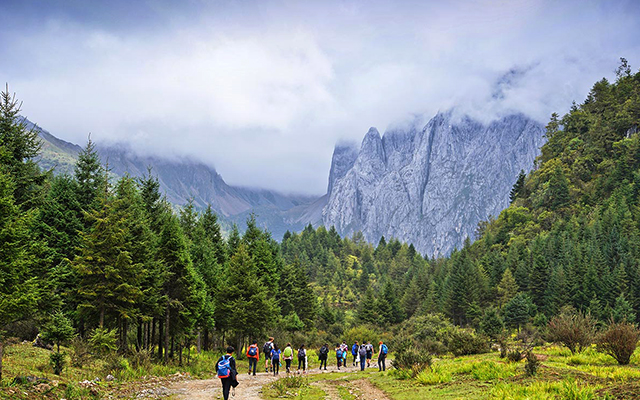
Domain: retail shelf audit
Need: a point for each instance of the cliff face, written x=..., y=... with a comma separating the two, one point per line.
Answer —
x=431, y=186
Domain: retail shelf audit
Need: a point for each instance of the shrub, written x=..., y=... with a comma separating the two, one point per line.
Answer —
x=465, y=342
x=283, y=387
x=58, y=330
x=514, y=355
x=141, y=359
x=411, y=359
x=491, y=323
x=80, y=352
x=57, y=361
x=574, y=330
x=532, y=365
x=619, y=341
x=103, y=341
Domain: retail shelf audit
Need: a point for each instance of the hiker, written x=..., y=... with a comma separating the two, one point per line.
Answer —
x=354, y=352
x=323, y=354
x=382, y=356
x=275, y=360
x=253, y=355
x=369, y=353
x=362, y=352
x=345, y=351
x=226, y=371
x=287, y=355
x=266, y=350
x=338, y=355
x=302, y=359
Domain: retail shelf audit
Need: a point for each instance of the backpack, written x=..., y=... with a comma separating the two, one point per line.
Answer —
x=324, y=350
x=302, y=353
x=363, y=351
x=385, y=349
x=253, y=351
x=275, y=355
x=339, y=353
x=224, y=367
x=288, y=352
x=266, y=349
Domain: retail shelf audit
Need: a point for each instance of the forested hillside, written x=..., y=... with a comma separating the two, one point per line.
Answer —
x=113, y=263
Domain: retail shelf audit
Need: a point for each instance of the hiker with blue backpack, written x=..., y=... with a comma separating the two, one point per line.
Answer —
x=354, y=352
x=338, y=355
x=253, y=355
x=382, y=356
x=275, y=360
x=226, y=371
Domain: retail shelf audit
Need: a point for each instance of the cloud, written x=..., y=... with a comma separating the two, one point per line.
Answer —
x=264, y=89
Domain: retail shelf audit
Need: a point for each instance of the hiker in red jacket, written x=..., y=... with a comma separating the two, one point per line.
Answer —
x=253, y=355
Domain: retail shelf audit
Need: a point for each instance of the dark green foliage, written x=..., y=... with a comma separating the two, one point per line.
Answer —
x=91, y=177
x=58, y=362
x=58, y=330
x=532, y=365
x=517, y=311
x=409, y=358
x=465, y=341
x=491, y=323
x=518, y=187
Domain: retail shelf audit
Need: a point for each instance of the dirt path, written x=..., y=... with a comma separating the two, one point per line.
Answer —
x=251, y=386
x=248, y=389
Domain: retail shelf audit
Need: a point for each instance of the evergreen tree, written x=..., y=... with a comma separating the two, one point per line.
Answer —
x=19, y=146
x=367, y=308
x=91, y=177
x=518, y=187
x=19, y=291
x=517, y=311
x=507, y=288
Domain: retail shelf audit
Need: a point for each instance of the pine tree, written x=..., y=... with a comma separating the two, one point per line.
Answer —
x=517, y=311
x=19, y=147
x=507, y=288
x=518, y=187
x=557, y=194
x=91, y=177
x=19, y=291
x=367, y=308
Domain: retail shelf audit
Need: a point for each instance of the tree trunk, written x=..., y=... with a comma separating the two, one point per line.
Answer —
x=173, y=340
x=140, y=338
x=179, y=354
x=166, y=335
x=206, y=339
x=125, y=340
x=198, y=342
x=160, y=338
x=1, y=352
x=101, y=317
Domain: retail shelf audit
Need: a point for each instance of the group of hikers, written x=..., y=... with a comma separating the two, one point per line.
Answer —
x=362, y=354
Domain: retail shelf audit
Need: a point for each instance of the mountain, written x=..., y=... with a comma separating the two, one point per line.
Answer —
x=429, y=185
x=182, y=179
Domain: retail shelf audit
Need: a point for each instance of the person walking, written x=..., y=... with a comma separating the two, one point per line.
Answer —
x=382, y=356
x=226, y=371
x=302, y=359
x=338, y=355
x=345, y=352
x=275, y=360
x=287, y=355
x=362, y=352
x=266, y=350
x=369, y=353
x=323, y=354
x=354, y=352
x=253, y=355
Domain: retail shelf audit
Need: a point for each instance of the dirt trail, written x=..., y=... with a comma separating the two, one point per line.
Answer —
x=250, y=387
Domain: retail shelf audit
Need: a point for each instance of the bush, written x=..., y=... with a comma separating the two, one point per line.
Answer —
x=574, y=330
x=103, y=341
x=283, y=387
x=80, y=352
x=431, y=332
x=491, y=323
x=57, y=361
x=619, y=341
x=411, y=359
x=532, y=365
x=514, y=355
x=464, y=342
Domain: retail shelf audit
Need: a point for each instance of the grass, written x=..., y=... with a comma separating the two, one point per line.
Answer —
x=24, y=360
x=584, y=376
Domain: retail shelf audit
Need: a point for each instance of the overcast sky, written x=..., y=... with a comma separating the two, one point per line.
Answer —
x=263, y=90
